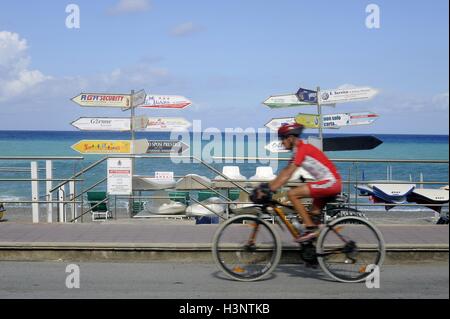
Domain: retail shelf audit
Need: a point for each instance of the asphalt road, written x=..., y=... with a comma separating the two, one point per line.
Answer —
x=187, y=281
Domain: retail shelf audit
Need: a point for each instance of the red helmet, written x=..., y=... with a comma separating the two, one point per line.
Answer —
x=290, y=129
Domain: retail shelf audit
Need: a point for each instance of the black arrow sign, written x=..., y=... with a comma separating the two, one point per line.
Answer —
x=167, y=146
x=350, y=143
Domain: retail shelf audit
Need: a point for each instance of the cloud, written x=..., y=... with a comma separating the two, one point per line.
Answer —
x=185, y=29
x=130, y=6
x=15, y=76
x=398, y=102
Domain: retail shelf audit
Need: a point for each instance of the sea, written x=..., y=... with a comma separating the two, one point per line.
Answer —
x=212, y=147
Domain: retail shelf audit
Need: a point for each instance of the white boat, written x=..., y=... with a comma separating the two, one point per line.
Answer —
x=210, y=207
x=194, y=181
x=170, y=208
x=429, y=196
x=387, y=191
x=143, y=183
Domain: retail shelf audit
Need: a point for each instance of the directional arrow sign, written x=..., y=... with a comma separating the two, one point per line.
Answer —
x=166, y=102
x=336, y=120
x=276, y=147
x=102, y=100
x=287, y=100
x=109, y=124
x=102, y=124
x=347, y=95
x=275, y=124
x=167, y=146
x=167, y=124
x=138, y=98
x=140, y=122
x=350, y=143
x=306, y=95
x=347, y=143
x=111, y=146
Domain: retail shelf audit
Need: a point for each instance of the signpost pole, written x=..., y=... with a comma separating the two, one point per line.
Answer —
x=130, y=200
x=319, y=111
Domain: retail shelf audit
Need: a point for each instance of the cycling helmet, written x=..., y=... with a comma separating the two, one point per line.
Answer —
x=290, y=129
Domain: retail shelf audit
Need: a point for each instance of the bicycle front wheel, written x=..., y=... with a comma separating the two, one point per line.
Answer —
x=350, y=249
x=246, y=248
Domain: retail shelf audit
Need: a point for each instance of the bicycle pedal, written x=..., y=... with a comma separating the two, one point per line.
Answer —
x=238, y=269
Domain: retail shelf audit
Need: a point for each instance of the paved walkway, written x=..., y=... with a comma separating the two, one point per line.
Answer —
x=179, y=234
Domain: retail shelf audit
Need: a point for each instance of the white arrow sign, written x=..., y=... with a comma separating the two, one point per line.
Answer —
x=102, y=124
x=276, y=123
x=166, y=102
x=276, y=147
x=102, y=100
x=109, y=124
x=167, y=124
x=346, y=95
x=287, y=100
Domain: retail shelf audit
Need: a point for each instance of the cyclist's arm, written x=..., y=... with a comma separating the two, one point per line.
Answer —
x=283, y=177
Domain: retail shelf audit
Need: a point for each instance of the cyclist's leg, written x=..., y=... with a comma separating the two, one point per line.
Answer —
x=316, y=209
x=295, y=195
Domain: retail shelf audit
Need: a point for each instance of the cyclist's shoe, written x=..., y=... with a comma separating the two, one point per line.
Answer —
x=317, y=219
x=308, y=235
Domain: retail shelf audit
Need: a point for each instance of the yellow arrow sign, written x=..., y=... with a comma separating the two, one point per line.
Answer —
x=111, y=146
x=308, y=120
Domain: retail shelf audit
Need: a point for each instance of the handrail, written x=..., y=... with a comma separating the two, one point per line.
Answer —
x=37, y=180
x=79, y=173
x=343, y=160
x=90, y=209
x=91, y=187
x=27, y=158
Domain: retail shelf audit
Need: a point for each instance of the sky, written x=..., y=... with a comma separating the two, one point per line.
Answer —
x=226, y=57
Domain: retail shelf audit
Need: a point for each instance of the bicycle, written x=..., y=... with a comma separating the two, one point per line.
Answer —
x=247, y=247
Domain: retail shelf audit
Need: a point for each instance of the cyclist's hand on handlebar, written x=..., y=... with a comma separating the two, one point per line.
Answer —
x=261, y=194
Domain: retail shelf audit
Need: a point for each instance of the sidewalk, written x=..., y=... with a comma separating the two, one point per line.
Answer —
x=179, y=240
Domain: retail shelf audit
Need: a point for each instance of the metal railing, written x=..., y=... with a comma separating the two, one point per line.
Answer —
x=72, y=198
x=33, y=170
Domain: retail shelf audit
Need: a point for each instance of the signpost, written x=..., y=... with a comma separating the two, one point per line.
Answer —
x=120, y=174
x=138, y=98
x=317, y=97
x=166, y=102
x=332, y=121
x=102, y=124
x=103, y=100
x=111, y=146
x=167, y=124
x=336, y=120
x=166, y=146
x=276, y=123
x=346, y=95
x=347, y=143
x=350, y=143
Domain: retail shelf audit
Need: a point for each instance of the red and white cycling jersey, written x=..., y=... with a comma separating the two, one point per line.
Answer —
x=315, y=162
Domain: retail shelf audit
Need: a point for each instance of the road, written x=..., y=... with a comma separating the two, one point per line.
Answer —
x=189, y=280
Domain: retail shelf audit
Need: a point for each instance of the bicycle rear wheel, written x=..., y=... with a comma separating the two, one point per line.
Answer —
x=349, y=248
x=246, y=248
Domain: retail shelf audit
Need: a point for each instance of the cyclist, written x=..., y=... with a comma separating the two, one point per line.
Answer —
x=327, y=179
